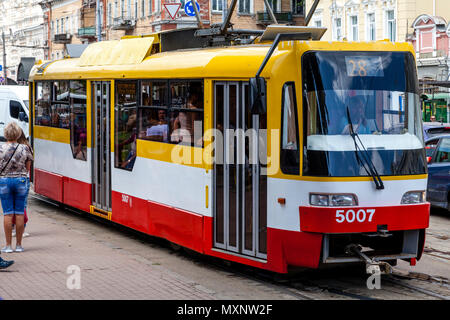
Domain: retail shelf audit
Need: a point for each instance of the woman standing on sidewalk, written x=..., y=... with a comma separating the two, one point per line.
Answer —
x=15, y=163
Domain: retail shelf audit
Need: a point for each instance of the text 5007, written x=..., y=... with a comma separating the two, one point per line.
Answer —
x=354, y=216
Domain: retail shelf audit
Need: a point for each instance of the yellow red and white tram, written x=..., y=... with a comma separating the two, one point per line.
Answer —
x=281, y=153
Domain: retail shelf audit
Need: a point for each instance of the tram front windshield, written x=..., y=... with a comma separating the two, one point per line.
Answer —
x=372, y=94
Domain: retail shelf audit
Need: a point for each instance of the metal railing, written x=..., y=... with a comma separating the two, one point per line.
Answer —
x=87, y=32
x=123, y=23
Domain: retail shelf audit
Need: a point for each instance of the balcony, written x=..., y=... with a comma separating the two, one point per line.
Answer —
x=123, y=23
x=62, y=38
x=88, y=32
x=264, y=18
x=89, y=3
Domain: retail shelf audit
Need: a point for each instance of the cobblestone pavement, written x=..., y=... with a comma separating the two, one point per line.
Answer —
x=106, y=272
x=113, y=265
x=118, y=264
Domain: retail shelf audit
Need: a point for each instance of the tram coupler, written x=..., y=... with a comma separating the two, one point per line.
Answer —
x=372, y=266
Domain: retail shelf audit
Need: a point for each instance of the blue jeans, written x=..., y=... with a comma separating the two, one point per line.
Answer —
x=13, y=194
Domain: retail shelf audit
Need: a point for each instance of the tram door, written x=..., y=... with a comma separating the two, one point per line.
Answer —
x=240, y=192
x=101, y=145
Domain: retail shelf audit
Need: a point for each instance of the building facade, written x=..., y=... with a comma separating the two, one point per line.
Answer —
x=253, y=14
x=431, y=40
x=62, y=21
x=75, y=22
x=21, y=22
x=369, y=20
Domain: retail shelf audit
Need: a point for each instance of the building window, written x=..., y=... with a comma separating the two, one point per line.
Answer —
x=116, y=9
x=318, y=23
x=337, y=23
x=391, y=25
x=136, y=11
x=275, y=5
x=142, y=8
x=298, y=7
x=371, y=36
x=122, y=8
x=150, y=7
x=109, y=13
x=354, y=28
x=216, y=5
x=244, y=6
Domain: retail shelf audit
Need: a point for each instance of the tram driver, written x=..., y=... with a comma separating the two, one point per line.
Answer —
x=358, y=117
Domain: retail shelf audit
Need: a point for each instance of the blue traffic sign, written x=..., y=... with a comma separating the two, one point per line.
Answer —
x=189, y=8
x=1, y=67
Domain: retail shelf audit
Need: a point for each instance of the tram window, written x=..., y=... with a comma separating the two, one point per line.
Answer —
x=78, y=132
x=290, y=155
x=60, y=107
x=125, y=124
x=186, y=112
x=43, y=93
x=153, y=121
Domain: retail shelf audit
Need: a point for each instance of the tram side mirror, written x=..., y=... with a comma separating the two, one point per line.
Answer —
x=258, y=99
x=23, y=116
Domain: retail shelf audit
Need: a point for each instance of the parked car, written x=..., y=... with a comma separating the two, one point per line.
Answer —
x=438, y=190
x=432, y=129
x=13, y=108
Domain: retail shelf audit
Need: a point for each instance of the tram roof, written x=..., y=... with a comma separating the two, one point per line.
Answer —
x=132, y=60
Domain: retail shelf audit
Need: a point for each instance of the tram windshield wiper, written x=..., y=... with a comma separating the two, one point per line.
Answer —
x=364, y=160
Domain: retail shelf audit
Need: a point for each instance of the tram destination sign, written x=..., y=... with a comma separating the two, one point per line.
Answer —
x=364, y=66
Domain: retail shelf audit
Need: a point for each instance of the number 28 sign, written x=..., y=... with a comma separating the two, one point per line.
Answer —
x=364, y=66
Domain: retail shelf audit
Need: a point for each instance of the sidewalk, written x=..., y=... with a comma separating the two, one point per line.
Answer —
x=106, y=272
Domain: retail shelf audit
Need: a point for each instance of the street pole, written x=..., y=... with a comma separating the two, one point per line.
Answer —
x=98, y=20
x=4, y=57
x=197, y=14
x=224, y=9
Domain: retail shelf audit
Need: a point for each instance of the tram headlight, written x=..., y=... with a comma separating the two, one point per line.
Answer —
x=332, y=200
x=411, y=197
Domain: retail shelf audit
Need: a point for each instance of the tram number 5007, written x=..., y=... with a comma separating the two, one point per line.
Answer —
x=350, y=216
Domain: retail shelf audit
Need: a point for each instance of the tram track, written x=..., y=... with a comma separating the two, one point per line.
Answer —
x=418, y=289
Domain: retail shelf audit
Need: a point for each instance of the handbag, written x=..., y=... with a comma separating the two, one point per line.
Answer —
x=9, y=159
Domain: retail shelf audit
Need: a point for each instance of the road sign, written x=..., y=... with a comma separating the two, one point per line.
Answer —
x=189, y=8
x=1, y=67
x=172, y=9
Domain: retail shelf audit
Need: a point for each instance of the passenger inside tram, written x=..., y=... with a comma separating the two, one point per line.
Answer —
x=157, y=126
x=183, y=125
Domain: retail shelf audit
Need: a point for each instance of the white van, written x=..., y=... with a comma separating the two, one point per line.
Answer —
x=13, y=107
